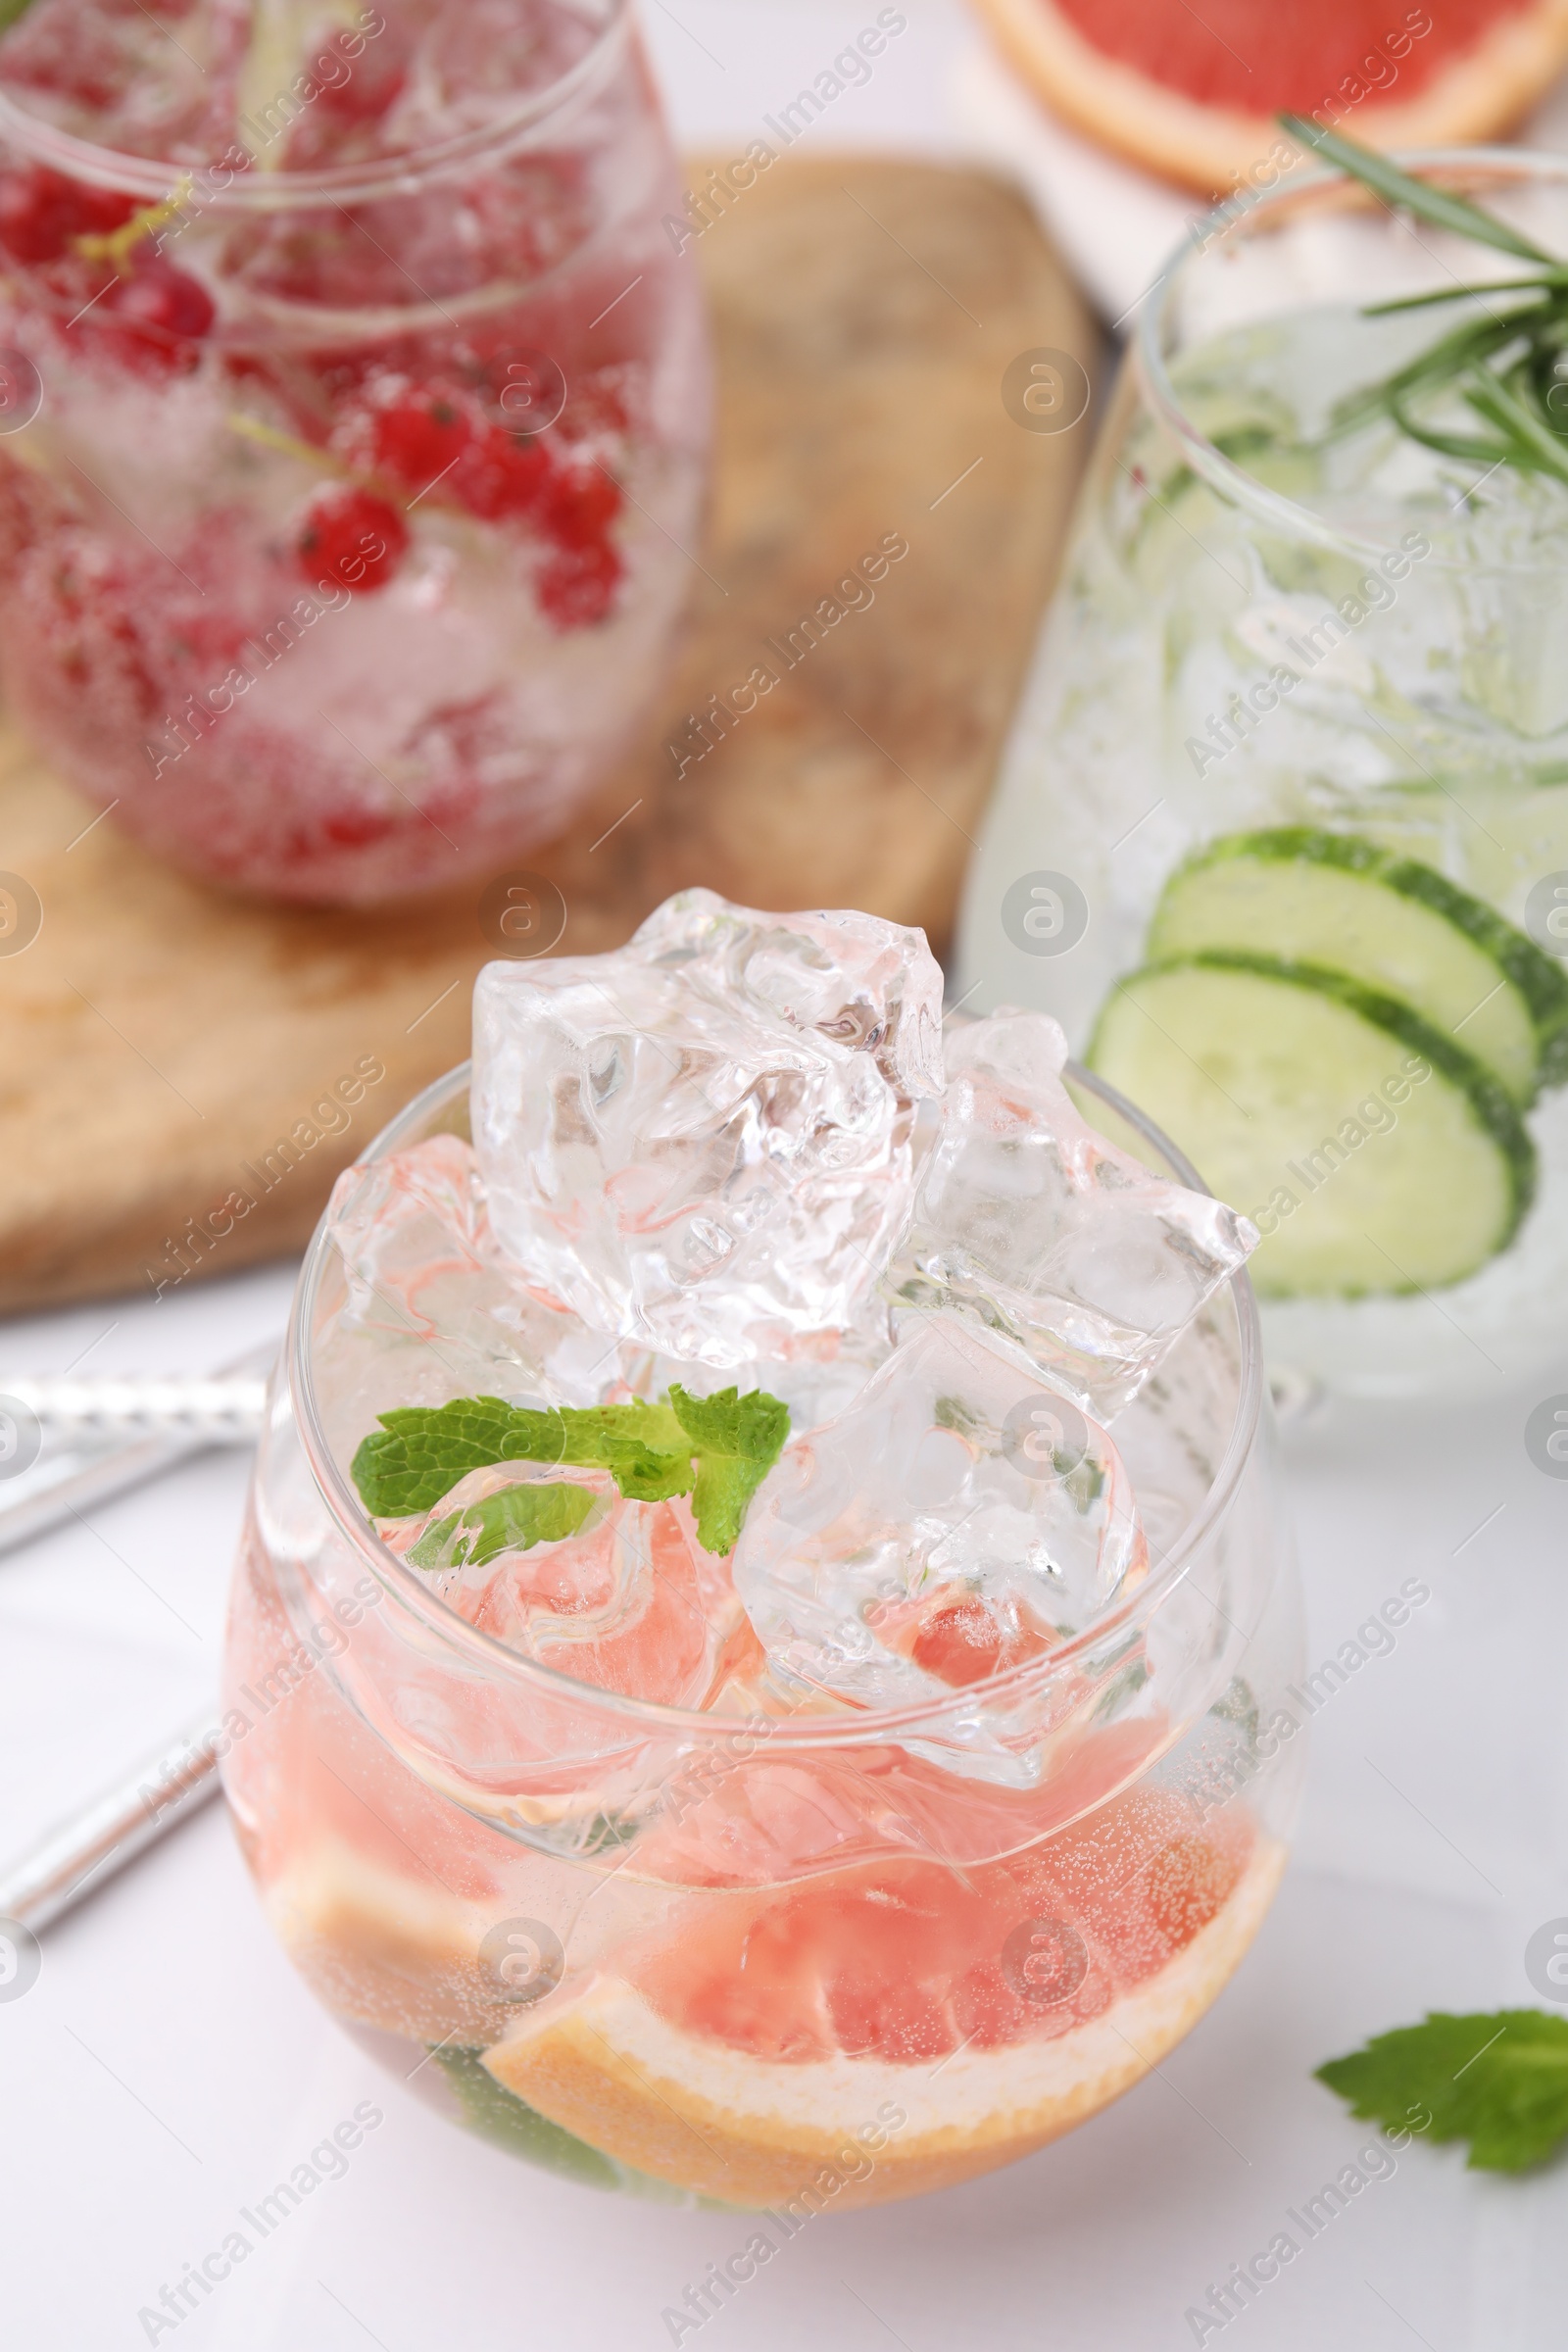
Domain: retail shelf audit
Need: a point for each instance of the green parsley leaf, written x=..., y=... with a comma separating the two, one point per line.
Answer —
x=515, y=1519
x=723, y=1446
x=1498, y=2081
x=736, y=1439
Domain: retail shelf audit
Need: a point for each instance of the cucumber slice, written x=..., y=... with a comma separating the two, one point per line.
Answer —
x=1298, y=1092
x=1394, y=924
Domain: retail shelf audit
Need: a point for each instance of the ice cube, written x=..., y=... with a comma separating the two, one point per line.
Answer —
x=702, y=1142
x=428, y=1309
x=817, y=1380
x=960, y=1520
x=1028, y=1221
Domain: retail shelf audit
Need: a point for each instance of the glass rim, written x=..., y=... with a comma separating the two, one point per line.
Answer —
x=1209, y=232
x=251, y=190
x=869, y=1727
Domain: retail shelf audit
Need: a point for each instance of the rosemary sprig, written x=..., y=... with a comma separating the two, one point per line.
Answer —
x=1534, y=445
x=1555, y=276
x=1436, y=204
x=1503, y=365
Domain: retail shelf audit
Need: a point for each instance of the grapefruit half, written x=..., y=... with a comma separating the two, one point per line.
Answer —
x=870, y=2036
x=1194, y=94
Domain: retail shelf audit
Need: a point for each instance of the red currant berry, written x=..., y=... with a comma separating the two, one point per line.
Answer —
x=580, y=506
x=577, y=585
x=357, y=828
x=501, y=479
x=417, y=438
x=156, y=319
x=41, y=212
x=351, y=538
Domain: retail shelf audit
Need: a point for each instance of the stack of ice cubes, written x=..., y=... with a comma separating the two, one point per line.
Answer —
x=695, y=1158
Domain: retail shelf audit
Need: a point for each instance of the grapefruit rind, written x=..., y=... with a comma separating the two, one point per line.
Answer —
x=488, y=2108
x=1209, y=147
x=755, y=2133
x=385, y=1949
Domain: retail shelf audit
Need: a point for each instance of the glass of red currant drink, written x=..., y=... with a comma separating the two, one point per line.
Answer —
x=354, y=415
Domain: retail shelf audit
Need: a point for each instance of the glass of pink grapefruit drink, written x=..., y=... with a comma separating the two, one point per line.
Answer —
x=354, y=412
x=670, y=1906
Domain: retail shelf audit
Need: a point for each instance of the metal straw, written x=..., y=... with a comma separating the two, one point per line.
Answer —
x=218, y=1411
x=101, y=1436
x=85, y=1849
x=97, y=1438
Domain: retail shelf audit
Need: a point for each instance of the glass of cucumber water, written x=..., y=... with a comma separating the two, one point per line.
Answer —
x=1282, y=832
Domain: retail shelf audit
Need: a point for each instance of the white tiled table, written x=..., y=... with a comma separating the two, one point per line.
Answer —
x=166, y=2068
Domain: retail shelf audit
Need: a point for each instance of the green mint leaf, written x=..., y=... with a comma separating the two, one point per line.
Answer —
x=723, y=1446
x=1498, y=2081
x=420, y=1451
x=1428, y=202
x=736, y=1439
x=642, y=1446
x=645, y=1476
x=513, y=1519
x=497, y=2114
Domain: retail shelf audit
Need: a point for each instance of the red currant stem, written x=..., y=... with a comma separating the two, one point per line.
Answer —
x=116, y=244
x=253, y=428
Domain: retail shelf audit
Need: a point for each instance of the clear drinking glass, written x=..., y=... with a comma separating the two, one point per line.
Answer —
x=353, y=414
x=1282, y=833
x=775, y=1961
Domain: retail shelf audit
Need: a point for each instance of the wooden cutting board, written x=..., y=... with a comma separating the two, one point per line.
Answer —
x=159, y=1039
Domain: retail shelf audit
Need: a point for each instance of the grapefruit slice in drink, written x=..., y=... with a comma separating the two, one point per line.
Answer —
x=1193, y=95
x=877, y=2032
